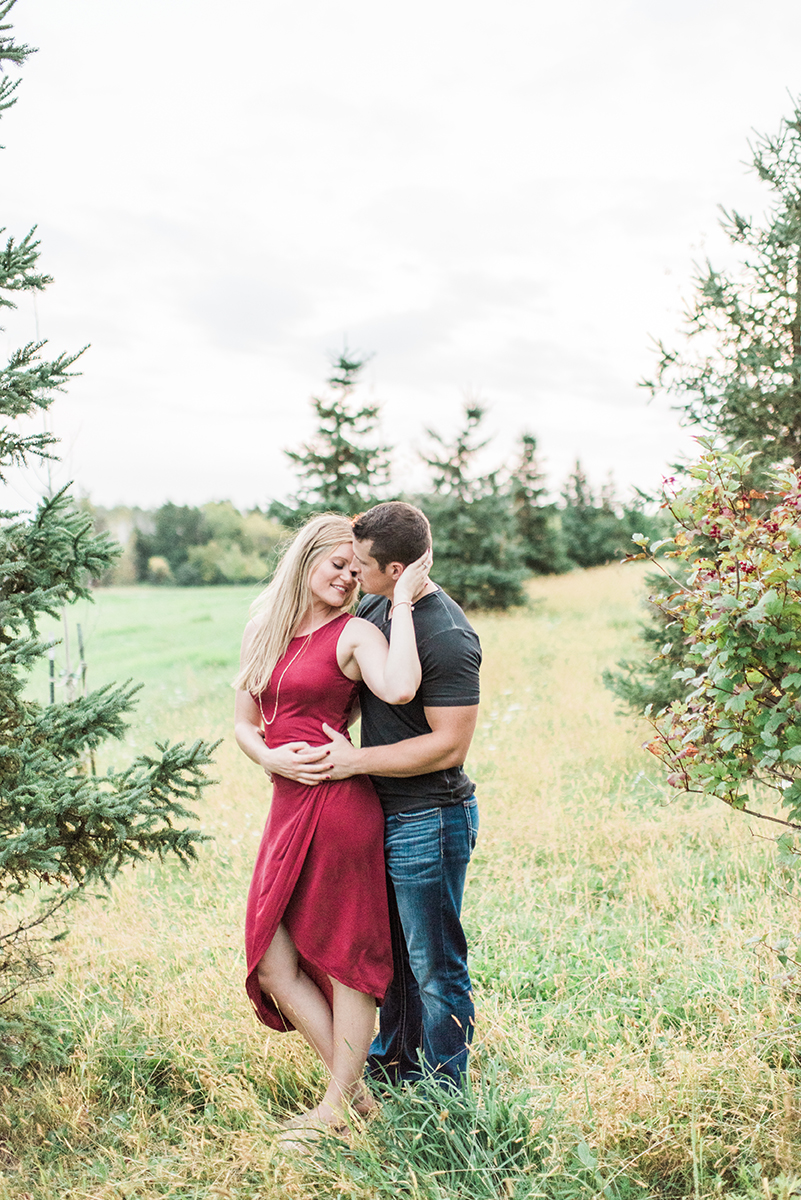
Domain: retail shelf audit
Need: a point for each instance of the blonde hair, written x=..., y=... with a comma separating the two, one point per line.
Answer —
x=287, y=599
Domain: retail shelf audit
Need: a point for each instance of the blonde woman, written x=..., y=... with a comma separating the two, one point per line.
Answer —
x=317, y=928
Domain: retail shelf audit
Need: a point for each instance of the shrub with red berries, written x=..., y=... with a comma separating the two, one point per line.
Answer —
x=737, y=730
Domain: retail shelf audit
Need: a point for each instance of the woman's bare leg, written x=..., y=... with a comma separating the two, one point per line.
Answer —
x=296, y=995
x=342, y=1038
x=354, y=1025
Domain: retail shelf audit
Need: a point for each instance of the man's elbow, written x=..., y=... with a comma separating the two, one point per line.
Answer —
x=453, y=756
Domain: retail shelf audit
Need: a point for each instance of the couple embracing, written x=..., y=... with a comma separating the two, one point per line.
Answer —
x=357, y=889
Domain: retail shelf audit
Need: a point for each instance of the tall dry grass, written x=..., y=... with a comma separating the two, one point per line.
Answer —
x=636, y=1034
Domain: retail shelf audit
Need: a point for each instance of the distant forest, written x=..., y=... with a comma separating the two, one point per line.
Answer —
x=491, y=530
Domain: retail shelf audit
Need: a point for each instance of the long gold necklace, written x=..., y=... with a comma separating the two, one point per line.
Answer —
x=297, y=655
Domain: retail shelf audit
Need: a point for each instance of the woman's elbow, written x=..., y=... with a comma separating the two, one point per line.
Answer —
x=400, y=698
x=244, y=732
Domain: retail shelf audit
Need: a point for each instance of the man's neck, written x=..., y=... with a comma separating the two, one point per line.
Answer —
x=428, y=590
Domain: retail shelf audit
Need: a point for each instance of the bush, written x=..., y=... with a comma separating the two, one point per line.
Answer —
x=739, y=614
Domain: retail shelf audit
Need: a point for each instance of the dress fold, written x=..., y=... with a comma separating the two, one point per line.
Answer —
x=320, y=863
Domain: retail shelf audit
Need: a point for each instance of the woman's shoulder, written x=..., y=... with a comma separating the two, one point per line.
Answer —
x=356, y=629
x=250, y=631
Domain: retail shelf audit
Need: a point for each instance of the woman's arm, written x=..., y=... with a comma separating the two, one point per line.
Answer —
x=295, y=760
x=391, y=672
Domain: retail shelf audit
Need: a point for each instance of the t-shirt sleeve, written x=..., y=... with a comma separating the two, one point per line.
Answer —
x=450, y=661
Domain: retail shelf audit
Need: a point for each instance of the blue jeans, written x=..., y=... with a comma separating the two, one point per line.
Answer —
x=426, y=1020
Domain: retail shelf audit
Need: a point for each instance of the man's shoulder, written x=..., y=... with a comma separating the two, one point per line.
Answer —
x=440, y=613
x=372, y=608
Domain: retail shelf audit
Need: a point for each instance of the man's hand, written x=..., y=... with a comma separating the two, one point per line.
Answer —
x=298, y=761
x=341, y=756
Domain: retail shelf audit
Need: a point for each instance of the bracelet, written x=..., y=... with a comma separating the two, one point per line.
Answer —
x=394, y=606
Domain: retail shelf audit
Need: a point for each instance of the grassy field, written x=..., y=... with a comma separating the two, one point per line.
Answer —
x=637, y=1035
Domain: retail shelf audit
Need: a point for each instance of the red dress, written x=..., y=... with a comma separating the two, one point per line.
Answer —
x=320, y=865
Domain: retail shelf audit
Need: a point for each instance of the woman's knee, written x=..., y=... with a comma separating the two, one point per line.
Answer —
x=266, y=977
x=279, y=963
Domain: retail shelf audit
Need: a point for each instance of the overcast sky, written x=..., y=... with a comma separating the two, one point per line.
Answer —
x=498, y=201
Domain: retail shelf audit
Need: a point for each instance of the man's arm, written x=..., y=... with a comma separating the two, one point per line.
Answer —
x=447, y=744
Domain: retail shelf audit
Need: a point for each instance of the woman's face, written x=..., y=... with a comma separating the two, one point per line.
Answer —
x=332, y=580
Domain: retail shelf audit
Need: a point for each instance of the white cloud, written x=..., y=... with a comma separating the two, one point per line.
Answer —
x=505, y=201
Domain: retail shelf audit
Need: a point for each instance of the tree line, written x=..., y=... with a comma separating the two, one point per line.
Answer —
x=491, y=529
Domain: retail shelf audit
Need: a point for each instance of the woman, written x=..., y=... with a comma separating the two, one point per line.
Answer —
x=317, y=926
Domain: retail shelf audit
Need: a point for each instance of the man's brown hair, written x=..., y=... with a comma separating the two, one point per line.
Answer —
x=399, y=532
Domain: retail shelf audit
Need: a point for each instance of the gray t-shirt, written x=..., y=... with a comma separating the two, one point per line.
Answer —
x=450, y=657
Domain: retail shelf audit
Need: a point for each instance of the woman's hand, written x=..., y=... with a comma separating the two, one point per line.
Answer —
x=297, y=761
x=392, y=674
x=413, y=580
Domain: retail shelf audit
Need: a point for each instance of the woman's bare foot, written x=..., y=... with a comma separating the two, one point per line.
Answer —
x=322, y=1117
x=364, y=1102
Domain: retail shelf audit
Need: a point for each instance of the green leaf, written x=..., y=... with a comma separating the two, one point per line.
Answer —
x=586, y=1156
x=738, y=701
x=772, y=602
x=786, y=851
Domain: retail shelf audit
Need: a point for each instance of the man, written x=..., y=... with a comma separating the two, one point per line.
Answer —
x=415, y=755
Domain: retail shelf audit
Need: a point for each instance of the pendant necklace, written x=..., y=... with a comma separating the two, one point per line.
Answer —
x=296, y=655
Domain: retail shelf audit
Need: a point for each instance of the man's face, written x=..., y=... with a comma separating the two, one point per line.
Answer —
x=373, y=579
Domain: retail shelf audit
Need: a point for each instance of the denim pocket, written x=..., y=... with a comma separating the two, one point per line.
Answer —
x=413, y=843
x=422, y=814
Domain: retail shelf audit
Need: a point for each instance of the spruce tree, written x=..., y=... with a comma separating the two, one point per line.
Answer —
x=738, y=377
x=590, y=527
x=744, y=382
x=477, y=556
x=62, y=827
x=344, y=468
x=536, y=519
x=597, y=526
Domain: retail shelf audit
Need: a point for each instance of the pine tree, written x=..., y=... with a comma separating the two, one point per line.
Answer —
x=590, y=527
x=536, y=520
x=745, y=383
x=597, y=528
x=651, y=680
x=477, y=557
x=344, y=468
x=62, y=827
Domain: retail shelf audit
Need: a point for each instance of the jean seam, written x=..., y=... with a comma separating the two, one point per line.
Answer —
x=403, y=1019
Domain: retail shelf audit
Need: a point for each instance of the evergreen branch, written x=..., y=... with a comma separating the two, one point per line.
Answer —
x=52, y=907
x=80, y=829
x=27, y=383
x=17, y=262
x=10, y=52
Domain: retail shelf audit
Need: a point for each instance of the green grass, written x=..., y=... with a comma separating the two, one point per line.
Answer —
x=636, y=1035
